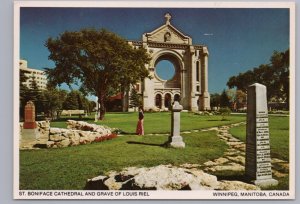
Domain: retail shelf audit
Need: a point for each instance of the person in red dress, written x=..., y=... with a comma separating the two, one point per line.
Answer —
x=140, y=124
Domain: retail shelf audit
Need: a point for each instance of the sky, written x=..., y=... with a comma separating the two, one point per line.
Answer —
x=237, y=39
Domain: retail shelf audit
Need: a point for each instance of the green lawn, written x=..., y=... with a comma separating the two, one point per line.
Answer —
x=69, y=168
x=156, y=122
x=279, y=136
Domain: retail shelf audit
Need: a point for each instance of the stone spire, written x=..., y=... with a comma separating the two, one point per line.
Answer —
x=168, y=18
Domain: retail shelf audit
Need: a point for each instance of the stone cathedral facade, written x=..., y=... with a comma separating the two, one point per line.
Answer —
x=190, y=81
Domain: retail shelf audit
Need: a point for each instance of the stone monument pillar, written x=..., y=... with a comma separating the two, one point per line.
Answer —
x=258, y=158
x=205, y=96
x=30, y=131
x=29, y=121
x=175, y=140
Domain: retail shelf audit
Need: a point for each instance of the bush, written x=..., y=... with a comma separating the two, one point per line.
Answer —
x=224, y=112
x=117, y=131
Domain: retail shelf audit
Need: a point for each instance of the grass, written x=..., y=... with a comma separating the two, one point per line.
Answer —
x=279, y=136
x=156, y=122
x=69, y=168
x=279, y=141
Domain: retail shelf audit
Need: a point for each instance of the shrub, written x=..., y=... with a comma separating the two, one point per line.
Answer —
x=224, y=112
x=117, y=131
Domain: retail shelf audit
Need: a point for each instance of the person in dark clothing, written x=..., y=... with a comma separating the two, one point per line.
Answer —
x=140, y=124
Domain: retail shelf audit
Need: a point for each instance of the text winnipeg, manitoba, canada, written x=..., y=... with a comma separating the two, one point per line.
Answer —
x=251, y=194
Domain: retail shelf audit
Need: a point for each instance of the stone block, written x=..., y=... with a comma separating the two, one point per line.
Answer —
x=50, y=144
x=65, y=143
x=266, y=182
x=30, y=134
x=55, y=137
x=55, y=131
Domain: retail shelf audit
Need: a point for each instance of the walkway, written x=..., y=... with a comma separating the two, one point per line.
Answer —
x=234, y=158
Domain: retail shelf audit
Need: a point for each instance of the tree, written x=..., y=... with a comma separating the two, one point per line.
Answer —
x=53, y=101
x=34, y=90
x=275, y=76
x=101, y=62
x=242, y=81
x=71, y=102
x=34, y=94
x=215, y=100
x=23, y=92
x=23, y=87
x=75, y=100
x=280, y=65
x=224, y=100
x=241, y=99
x=231, y=94
x=135, y=99
x=91, y=105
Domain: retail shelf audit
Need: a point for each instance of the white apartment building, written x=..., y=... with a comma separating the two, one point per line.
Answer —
x=33, y=74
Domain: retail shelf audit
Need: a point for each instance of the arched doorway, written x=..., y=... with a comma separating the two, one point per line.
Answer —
x=168, y=100
x=158, y=100
x=177, y=97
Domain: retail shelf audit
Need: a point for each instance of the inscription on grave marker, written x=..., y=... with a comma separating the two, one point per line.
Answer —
x=29, y=117
x=258, y=157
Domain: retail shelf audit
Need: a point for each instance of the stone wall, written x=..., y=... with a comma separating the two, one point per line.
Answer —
x=77, y=133
x=42, y=126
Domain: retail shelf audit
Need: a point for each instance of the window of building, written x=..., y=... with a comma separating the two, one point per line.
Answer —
x=165, y=70
x=197, y=71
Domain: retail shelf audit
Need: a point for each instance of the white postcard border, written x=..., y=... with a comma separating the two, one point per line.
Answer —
x=123, y=195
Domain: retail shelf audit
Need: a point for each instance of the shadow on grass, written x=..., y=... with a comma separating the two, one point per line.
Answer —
x=240, y=177
x=127, y=133
x=218, y=120
x=72, y=118
x=149, y=144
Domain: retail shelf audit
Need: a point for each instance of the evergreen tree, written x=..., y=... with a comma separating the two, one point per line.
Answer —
x=135, y=99
x=215, y=100
x=35, y=94
x=23, y=92
x=224, y=100
x=53, y=101
x=71, y=101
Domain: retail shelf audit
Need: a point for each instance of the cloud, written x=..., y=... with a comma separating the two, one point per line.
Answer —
x=208, y=34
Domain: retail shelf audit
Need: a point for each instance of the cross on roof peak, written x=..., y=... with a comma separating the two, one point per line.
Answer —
x=168, y=18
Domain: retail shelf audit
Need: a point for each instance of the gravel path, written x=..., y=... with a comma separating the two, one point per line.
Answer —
x=234, y=157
